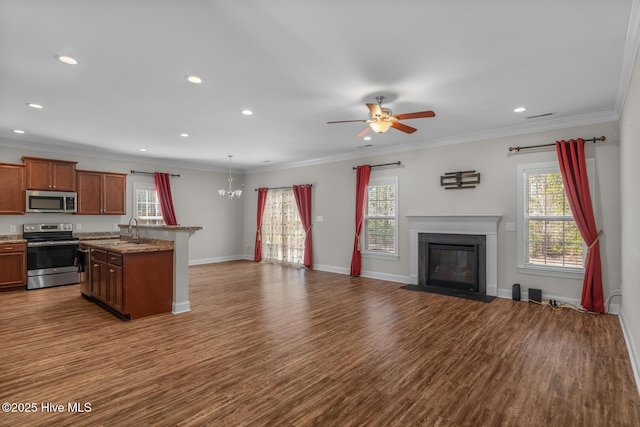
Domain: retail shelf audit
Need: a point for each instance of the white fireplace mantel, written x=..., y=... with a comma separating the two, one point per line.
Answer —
x=486, y=225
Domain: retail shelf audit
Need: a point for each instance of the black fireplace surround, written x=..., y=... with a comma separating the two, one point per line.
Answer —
x=455, y=262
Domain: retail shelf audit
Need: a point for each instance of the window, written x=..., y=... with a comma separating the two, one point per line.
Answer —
x=380, y=219
x=282, y=233
x=549, y=242
x=147, y=206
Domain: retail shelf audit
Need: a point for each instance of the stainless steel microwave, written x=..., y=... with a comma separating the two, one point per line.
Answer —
x=52, y=201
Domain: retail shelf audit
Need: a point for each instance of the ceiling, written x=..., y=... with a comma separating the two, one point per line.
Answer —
x=297, y=65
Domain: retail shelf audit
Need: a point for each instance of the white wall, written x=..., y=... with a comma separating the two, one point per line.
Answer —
x=630, y=207
x=195, y=196
x=420, y=193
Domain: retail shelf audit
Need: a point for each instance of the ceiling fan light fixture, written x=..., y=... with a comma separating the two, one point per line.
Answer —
x=380, y=126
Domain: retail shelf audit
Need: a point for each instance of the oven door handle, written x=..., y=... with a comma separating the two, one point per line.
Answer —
x=52, y=243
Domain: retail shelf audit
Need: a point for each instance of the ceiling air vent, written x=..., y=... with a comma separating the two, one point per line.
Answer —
x=540, y=115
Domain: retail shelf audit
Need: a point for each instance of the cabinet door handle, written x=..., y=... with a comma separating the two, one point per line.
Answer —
x=111, y=270
x=96, y=265
x=8, y=248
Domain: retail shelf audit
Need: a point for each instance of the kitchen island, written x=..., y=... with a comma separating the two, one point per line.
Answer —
x=132, y=279
x=179, y=235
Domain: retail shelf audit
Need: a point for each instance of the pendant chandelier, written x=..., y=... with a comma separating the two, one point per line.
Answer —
x=230, y=194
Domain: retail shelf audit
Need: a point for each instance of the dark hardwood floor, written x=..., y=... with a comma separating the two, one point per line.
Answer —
x=265, y=345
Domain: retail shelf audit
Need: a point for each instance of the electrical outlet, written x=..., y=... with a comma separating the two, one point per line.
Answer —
x=319, y=218
x=510, y=226
x=78, y=227
x=115, y=227
x=12, y=228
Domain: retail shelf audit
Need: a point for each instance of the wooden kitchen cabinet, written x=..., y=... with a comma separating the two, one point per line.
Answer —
x=12, y=189
x=99, y=274
x=101, y=193
x=48, y=174
x=114, y=282
x=134, y=284
x=13, y=265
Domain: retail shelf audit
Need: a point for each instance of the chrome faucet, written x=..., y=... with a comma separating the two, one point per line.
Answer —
x=130, y=229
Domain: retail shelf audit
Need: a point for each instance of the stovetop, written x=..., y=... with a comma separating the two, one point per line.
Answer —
x=41, y=232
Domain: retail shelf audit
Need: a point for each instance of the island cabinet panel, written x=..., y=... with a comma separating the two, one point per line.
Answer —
x=12, y=189
x=136, y=284
x=13, y=265
x=101, y=193
x=99, y=275
x=114, y=282
x=48, y=174
x=147, y=283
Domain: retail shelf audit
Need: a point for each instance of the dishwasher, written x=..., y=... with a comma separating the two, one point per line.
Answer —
x=83, y=262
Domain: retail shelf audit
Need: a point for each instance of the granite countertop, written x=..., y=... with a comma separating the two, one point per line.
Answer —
x=11, y=238
x=165, y=227
x=127, y=246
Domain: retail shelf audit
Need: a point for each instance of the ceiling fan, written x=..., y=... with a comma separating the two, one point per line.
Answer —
x=381, y=119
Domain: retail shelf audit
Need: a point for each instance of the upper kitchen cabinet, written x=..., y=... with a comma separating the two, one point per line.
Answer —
x=101, y=193
x=48, y=174
x=12, y=189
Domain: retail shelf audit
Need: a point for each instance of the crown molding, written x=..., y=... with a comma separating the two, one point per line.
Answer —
x=631, y=46
x=529, y=128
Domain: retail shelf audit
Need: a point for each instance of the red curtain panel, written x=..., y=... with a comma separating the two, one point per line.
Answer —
x=163, y=189
x=362, y=183
x=262, y=201
x=302, y=193
x=573, y=168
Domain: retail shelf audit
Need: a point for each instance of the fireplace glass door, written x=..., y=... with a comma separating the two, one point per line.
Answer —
x=453, y=266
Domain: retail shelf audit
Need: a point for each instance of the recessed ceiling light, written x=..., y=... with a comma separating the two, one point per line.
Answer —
x=36, y=106
x=247, y=112
x=70, y=60
x=184, y=135
x=18, y=131
x=519, y=110
x=194, y=79
x=142, y=149
x=367, y=138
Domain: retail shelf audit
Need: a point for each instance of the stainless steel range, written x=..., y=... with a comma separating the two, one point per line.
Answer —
x=51, y=252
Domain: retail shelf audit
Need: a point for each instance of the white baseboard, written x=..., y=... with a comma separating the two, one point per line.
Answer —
x=217, y=259
x=330, y=269
x=368, y=274
x=181, y=307
x=631, y=348
x=524, y=296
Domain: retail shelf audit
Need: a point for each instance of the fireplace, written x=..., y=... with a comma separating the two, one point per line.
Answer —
x=481, y=225
x=452, y=262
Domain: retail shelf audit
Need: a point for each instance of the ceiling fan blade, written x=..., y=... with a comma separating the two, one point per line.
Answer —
x=347, y=121
x=363, y=132
x=416, y=115
x=403, y=127
x=375, y=110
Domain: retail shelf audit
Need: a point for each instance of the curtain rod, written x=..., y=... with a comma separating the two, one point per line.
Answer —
x=152, y=173
x=383, y=164
x=527, y=147
x=279, y=188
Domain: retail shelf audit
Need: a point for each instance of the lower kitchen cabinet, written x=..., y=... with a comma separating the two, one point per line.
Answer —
x=13, y=265
x=135, y=284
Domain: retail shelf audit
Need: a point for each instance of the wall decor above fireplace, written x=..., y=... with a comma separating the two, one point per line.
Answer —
x=459, y=180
